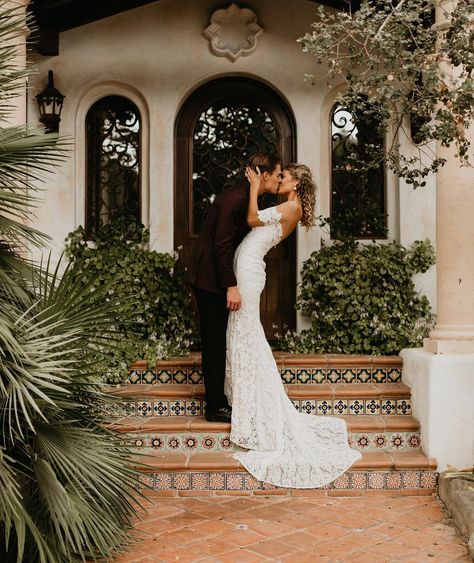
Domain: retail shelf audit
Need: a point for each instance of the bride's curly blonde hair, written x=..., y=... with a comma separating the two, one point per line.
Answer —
x=306, y=191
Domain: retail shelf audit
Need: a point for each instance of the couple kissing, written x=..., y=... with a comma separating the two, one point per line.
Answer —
x=276, y=443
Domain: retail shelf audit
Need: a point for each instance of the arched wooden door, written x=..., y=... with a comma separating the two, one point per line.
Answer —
x=219, y=126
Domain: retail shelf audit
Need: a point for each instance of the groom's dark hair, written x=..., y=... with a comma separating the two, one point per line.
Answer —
x=265, y=162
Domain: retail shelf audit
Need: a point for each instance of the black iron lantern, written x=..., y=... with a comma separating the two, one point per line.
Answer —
x=50, y=104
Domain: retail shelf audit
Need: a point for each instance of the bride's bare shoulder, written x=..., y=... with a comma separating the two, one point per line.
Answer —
x=290, y=210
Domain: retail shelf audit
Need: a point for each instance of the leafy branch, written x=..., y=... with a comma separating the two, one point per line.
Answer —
x=398, y=66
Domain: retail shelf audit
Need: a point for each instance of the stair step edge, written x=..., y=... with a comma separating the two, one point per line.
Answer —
x=370, y=461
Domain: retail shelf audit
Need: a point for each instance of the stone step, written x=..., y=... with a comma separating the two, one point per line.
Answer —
x=294, y=368
x=185, y=434
x=325, y=399
x=379, y=423
x=209, y=473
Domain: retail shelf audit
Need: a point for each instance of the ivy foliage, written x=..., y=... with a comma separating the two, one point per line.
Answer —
x=361, y=299
x=400, y=67
x=154, y=315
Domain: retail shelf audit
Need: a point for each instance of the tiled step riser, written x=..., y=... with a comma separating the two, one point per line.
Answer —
x=337, y=407
x=421, y=482
x=299, y=375
x=220, y=442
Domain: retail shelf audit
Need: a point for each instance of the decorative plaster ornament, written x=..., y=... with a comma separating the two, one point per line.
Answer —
x=233, y=32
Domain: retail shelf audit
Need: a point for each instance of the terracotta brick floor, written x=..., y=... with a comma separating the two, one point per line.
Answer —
x=295, y=529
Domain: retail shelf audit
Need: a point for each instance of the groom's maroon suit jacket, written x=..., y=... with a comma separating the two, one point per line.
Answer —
x=225, y=226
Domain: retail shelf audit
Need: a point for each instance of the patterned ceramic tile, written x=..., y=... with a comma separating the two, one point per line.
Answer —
x=363, y=441
x=318, y=376
x=234, y=482
x=340, y=407
x=209, y=442
x=161, y=408
x=190, y=442
x=300, y=375
x=342, y=482
x=333, y=375
x=428, y=480
x=177, y=408
x=251, y=483
x=348, y=375
x=394, y=375
x=380, y=441
x=372, y=406
x=414, y=441
x=388, y=406
x=288, y=375
x=134, y=377
x=404, y=406
x=356, y=406
x=174, y=442
x=145, y=408
x=358, y=480
x=217, y=481
x=397, y=441
x=182, y=481
x=194, y=408
x=157, y=443
x=378, y=375
x=163, y=376
x=308, y=406
x=411, y=479
x=303, y=376
x=324, y=407
x=376, y=480
x=363, y=375
x=194, y=376
x=242, y=481
x=163, y=481
x=200, y=481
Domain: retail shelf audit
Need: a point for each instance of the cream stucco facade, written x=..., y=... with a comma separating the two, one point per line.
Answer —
x=157, y=55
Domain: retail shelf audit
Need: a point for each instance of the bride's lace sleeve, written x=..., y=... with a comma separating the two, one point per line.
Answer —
x=269, y=216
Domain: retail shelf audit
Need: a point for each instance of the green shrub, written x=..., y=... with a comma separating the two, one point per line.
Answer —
x=154, y=317
x=361, y=299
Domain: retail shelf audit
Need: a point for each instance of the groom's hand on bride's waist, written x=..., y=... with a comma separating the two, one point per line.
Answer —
x=234, y=300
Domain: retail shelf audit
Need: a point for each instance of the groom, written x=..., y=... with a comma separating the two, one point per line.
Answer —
x=211, y=273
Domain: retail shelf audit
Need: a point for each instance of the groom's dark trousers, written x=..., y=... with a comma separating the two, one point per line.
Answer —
x=210, y=273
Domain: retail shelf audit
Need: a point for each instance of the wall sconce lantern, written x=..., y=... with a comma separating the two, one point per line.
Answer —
x=50, y=104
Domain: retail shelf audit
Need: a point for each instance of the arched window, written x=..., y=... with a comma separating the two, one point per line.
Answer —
x=113, y=161
x=358, y=185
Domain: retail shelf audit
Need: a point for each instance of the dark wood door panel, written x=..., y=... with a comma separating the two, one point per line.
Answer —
x=216, y=131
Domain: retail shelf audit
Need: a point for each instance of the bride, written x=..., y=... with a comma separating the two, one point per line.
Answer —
x=284, y=447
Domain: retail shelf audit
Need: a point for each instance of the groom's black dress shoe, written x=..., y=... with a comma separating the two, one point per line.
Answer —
x=223, y=414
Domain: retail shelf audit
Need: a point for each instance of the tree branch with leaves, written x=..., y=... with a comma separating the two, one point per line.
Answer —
x=401, y=67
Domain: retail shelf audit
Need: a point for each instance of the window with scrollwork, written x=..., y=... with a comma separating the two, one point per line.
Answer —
x=224, y=137
x=113, y=128
x=358, y=177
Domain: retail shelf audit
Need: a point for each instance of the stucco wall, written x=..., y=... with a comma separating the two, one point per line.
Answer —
x=157, y=55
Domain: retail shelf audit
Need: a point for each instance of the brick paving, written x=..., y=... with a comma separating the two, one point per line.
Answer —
x=372, y=529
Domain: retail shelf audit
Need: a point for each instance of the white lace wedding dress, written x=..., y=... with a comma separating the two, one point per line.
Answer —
x=286, y=448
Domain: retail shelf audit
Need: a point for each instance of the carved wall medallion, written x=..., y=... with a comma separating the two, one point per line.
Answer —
x=233, y=32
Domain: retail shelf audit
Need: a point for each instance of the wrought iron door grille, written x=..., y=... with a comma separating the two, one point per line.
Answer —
x=358, y=186
x=225, y=135
x=113, y=162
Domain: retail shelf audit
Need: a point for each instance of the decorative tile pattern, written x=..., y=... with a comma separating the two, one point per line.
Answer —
x=300, y=375
x=242, y=481
x=218, y=442
x=338, y=407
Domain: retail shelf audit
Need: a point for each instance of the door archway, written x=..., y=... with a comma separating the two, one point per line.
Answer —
x=218, y=127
